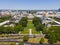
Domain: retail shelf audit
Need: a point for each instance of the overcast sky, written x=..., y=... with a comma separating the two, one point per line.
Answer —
x=30, y=4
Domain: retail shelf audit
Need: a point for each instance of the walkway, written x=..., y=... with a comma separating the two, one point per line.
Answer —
x=54, y=21
x=4, y=22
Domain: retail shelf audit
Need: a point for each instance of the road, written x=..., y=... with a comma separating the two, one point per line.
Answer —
x=16, y=39
x=9, y=40
x=7, y=21
x=54, y=21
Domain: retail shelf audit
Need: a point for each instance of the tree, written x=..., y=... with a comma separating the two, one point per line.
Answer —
x=38, y=24
x=23, y=21
x=12, y=44
x=1, y=29
x=53, y=33
x=18, y=28
x=41, y=41
x=25, y=38
x=36, y=21
x=39, y=27
x=21, y=43
x=44, y=30
x=52, y=39
x=6, y=30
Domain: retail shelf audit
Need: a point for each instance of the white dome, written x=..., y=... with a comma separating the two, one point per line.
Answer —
x=39, y=15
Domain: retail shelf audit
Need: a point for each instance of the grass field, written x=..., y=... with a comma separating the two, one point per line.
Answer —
x=7, y=43
x=29, y=26
x=34, y=40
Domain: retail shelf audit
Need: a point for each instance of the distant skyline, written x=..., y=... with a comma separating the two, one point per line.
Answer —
x=30, y=4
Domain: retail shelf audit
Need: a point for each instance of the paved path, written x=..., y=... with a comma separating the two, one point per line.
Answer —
x=55, y=25
x=9, y=40
x=4, y=22
x=27, y=43
x=54, y=21
x=30, y=31
x=39, y=35
x=17, y=39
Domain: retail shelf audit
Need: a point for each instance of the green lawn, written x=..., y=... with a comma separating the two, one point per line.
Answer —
x=29, y=26
x=7, y=43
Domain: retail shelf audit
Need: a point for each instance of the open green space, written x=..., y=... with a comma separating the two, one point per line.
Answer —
x=30, y=25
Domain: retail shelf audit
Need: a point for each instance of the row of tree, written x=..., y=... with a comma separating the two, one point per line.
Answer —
x=9, y=30
x=23, y=21
x=38, y=23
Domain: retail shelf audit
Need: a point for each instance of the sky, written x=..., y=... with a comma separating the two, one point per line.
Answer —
x=30, y=4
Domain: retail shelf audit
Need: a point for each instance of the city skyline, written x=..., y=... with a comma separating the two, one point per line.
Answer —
x=30, y=4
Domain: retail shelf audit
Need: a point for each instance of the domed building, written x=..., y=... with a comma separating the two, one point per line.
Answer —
x=30, y=16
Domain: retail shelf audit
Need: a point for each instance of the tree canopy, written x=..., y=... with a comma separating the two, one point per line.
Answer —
x=53, y=34
x=23, y=21
x=37, y=23
x=18, y=28
x=41, y=41
x=25, y=38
